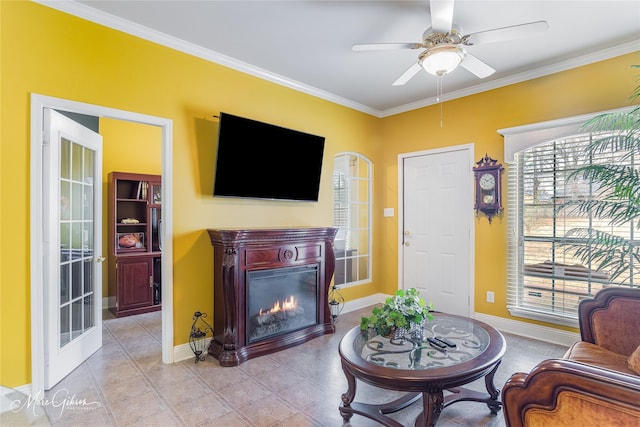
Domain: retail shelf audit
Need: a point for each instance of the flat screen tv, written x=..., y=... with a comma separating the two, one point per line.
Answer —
x=263, y=161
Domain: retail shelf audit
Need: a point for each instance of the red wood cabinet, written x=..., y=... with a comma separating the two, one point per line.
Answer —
x=135, y=282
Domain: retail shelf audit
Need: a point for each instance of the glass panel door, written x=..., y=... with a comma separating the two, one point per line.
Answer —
x=72, y=223
x=77, y=275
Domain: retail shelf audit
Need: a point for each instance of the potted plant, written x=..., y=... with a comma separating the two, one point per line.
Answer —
x=403, y=311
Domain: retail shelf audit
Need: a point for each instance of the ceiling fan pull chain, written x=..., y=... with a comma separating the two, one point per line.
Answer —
x=439, y=95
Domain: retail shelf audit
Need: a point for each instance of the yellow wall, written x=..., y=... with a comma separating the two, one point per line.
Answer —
x=51, y=53
x=596, y=87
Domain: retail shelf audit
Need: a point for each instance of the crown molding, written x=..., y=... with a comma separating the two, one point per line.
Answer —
x=565, y=65
x=85, y=12
x=90, y=14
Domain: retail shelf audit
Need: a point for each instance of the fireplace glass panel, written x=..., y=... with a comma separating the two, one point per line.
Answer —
x=281, y=300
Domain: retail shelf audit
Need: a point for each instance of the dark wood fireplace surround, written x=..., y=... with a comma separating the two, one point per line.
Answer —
x=236, y=252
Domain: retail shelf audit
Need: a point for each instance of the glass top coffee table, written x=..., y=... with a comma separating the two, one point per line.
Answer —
x=423, y=366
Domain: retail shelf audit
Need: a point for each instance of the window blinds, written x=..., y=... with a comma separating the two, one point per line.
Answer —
x=546, y=281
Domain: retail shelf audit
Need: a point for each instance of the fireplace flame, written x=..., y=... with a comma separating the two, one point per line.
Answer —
x=285, y=305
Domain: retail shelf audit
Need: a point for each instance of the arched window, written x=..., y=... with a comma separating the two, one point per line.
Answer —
x=352, y=182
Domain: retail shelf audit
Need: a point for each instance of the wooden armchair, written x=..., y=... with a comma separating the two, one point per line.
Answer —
x=593, y=385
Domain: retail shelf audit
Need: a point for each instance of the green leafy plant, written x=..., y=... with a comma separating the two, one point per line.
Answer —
x=404, y=309
x=620, y=186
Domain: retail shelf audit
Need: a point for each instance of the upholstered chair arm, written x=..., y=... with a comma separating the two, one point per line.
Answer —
x=560, y=392
x=611, y=319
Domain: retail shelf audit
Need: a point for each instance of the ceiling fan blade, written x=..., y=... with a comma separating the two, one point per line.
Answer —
x=507, y=33
x=407, y=75
x=386, y=46
x=477, y=67
x=441, y=15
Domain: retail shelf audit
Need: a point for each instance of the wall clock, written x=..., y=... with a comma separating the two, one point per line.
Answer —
x=488, y=186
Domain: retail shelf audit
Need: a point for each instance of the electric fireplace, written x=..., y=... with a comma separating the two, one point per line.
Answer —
x=270, y=290
x=294, y=292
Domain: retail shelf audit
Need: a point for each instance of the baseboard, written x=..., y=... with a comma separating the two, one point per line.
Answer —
x=364, y=302
x=108, y=302
x=5, y=393
x=530, y=330
x=183, y=352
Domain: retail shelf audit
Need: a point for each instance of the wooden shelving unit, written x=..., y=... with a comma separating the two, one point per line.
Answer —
x=135, y=244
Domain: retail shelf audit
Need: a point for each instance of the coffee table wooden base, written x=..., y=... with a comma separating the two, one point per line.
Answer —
x=377, y=412
x=433, y=402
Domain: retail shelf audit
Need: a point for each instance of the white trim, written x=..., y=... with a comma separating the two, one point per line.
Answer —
x=111, y=21
x=530, y=330
x=542, y=316
x=108, y=302
x=367, y=301
x=4, y=391
x=535, y=73
x=370, y=225
x=519, y=138
x=183, y=352
x=38, y=104
x=120, y=24
x=470, y=149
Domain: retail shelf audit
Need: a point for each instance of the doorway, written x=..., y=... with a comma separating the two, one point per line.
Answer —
x=436, y=226
x=39, y=104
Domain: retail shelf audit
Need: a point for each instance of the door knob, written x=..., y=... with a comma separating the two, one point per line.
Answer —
x=407, y=233
x=407, y=243
x=100, y=259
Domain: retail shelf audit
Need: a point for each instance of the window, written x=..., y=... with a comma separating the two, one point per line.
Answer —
x=546, y=280
x=352, y=216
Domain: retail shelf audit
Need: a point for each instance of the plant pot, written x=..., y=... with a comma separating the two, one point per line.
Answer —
x=415, y=331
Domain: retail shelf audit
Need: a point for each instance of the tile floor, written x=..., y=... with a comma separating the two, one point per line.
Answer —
x=296, y=387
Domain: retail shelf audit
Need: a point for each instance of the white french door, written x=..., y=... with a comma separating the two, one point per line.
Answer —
x=437, y=206
x=72, y=242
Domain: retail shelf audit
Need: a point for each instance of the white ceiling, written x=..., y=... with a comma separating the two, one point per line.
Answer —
x=307, y=44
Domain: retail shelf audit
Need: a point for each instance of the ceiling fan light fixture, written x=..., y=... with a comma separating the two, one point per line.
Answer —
x=442, y=60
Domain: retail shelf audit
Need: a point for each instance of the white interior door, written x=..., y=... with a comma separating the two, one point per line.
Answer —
x=72, y=273
x=437, y=203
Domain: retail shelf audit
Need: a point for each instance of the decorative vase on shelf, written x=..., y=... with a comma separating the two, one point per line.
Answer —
x=402, y=315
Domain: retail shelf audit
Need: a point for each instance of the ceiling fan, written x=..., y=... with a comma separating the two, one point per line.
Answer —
x=444, y=44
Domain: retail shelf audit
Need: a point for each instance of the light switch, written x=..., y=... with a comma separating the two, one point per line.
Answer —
x=490, y=296
x=388, y=212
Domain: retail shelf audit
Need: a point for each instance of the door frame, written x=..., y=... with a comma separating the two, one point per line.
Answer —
x=38, y=104
x=469, y=149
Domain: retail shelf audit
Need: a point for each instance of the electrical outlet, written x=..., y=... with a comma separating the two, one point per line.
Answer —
x=489, y=296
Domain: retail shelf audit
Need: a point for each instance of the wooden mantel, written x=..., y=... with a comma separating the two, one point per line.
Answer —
x=238, y=251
